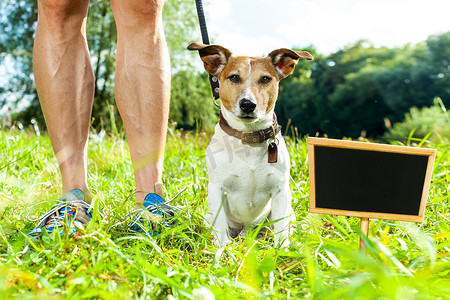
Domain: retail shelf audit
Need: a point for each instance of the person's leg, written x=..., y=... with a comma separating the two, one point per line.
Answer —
x=143, y=88
x=65, y=85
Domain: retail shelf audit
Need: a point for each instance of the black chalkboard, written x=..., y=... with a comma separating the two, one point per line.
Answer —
x=369, y=180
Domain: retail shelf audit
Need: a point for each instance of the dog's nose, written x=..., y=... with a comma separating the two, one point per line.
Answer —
x=247, y=106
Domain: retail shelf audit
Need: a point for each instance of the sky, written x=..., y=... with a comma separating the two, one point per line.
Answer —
x=256, y=27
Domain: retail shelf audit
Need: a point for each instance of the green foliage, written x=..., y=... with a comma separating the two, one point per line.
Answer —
x=297, y=96
x=432, y=123
x=102, y=35
x=403, y=261
x=17, y=26
x=191, y=104
x=352, y=92
x=181, y=28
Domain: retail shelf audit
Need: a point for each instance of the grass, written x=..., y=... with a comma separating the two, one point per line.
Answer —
x=403, y=260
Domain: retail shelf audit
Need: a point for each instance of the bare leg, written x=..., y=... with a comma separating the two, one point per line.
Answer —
x=143, y=87
x=65, y=85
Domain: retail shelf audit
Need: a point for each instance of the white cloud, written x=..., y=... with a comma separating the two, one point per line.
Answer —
x=255, y=27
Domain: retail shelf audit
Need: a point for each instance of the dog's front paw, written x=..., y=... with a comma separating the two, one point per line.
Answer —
x=221, y=239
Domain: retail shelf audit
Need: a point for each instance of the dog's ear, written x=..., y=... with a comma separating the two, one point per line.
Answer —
x=214, y=57
x=284, y=60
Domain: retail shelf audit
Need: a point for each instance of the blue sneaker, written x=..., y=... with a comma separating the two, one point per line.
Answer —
x=156, y=215
x=70, y=210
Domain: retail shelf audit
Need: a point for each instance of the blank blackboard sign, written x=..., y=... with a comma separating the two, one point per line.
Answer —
x=369, y=180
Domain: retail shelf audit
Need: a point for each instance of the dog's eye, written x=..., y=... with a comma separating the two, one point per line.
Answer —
x=235, y=78
x=265, y=79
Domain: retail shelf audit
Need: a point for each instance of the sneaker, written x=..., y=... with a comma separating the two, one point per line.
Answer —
x=155, y=215
x=70, y=210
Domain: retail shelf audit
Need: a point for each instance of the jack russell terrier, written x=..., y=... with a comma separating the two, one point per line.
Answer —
x=247, y=159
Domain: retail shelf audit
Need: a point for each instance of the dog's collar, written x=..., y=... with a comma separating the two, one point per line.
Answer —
x=251, y=137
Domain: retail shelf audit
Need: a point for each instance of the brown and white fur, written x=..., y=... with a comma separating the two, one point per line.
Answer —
x=244, y=189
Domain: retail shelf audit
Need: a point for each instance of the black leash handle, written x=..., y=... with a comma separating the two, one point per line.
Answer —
x=214, y=82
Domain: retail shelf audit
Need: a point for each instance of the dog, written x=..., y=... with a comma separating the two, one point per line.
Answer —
x=247, y=159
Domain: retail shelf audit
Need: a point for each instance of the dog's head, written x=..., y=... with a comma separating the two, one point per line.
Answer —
x=248, y=85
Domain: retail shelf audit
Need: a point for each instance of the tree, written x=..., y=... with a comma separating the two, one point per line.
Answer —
x=17, y=27
x=357, y=88
x=190, y=100
x=102, y=36
x=297, y=100
x=438, y=57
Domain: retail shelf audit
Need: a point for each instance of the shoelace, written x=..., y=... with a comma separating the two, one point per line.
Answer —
x=157, y=209
x=53, y=212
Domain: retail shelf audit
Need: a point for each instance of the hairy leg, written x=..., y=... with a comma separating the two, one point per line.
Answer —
x=65, y=85
x=143, y=88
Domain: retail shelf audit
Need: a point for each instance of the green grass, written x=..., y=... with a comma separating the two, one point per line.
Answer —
x=403, y=260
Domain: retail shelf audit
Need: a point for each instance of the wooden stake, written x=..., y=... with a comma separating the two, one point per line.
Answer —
x=364, y=226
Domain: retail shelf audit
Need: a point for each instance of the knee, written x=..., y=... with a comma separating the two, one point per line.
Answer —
x=57, y=13
x=144, y=14
x=147, y=10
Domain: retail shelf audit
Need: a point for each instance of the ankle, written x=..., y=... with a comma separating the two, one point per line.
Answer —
x=142, y=192
x=86, y=192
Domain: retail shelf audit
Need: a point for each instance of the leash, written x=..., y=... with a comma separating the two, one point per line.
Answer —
x=213, y=81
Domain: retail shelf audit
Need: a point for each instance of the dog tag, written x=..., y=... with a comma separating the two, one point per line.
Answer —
x=273, y=153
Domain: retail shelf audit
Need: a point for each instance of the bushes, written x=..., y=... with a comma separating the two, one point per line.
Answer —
x=432, y=123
